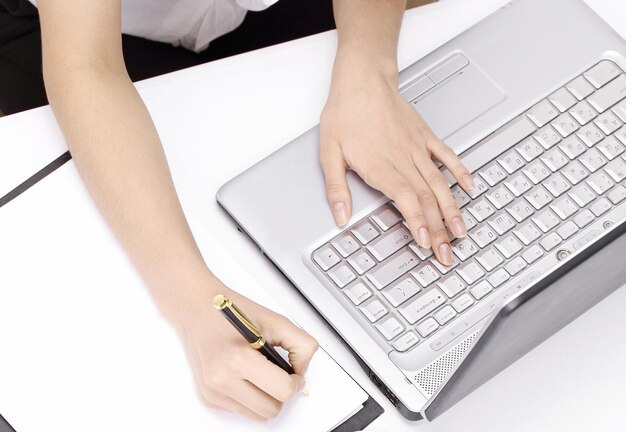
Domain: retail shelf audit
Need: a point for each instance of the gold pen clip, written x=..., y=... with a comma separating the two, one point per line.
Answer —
x=221, y=302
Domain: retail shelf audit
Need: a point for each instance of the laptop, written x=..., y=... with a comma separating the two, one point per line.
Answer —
x=532, y=99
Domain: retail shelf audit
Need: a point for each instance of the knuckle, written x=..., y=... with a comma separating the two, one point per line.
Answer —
x=427, y=198
x=334, y=187
x=273, y=410
x=437, y=181
x=439, y=234
x=286, y=392
x=215, y=380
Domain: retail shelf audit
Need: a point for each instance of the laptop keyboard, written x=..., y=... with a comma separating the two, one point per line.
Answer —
x=567, y=168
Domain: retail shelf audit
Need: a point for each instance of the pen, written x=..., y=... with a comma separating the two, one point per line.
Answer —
x=251, y=333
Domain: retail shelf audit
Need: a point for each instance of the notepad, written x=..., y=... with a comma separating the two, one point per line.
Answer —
x=84, y=347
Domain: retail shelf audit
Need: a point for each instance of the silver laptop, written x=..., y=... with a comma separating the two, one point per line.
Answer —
x=531, y=98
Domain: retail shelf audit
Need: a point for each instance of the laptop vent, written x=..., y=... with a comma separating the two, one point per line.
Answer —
x=432, y=376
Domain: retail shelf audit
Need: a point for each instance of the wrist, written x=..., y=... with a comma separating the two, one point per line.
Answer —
x=358, y=64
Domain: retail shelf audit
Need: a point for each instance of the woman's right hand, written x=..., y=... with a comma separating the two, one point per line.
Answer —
x=232, y=376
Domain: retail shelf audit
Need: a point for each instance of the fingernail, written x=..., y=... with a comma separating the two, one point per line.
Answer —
x=458, y=227
x=468, y=182
x=446, y=253
x=305, y=391
x=424, y=238
x=340, y=212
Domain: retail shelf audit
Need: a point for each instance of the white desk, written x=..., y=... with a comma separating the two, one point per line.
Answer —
x=261, y=100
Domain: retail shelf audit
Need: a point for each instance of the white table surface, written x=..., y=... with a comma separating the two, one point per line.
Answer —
x=217, y=119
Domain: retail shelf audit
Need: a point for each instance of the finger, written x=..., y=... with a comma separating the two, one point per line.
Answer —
x=273, y=380
x=253, y=398
x=337, y=189
x=300, y=345
x=396, y=187
x=446, y=156
x=428, y=202
x=439, y=186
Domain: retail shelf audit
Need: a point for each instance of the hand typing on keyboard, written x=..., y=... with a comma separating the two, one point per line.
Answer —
x=367, y=126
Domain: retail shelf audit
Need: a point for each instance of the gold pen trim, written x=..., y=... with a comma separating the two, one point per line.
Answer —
x=221, y=302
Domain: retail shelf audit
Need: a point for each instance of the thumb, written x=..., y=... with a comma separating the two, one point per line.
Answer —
x=300, y=345
x=337, y=189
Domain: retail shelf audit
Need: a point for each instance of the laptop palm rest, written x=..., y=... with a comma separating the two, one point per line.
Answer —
x=457, y=101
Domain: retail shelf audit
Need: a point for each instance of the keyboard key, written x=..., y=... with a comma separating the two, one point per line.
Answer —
x=532, y=254
x=602, y=73
x=515, y=266
x=600, y=182
x=500, y=197
x=490, y=259
x=508, y=246
x=481, y=209
x=608, y=123
x=470, y=221
x=527, y=232
x=564, y=208
x=574, y=172
x=537, y=172
x=562, y=99
x=557, y=185
x=445, y=314
x=520, y=210
x=617, y=195
x=392, y=269
x=444, y=269
x=565, y=125
x=547, y=137
x=422, y=305
x=498, y=277
x=542, y=113
x=546, y=220
x=460, y=196
x=538, y=197
x=374, y=310
x=583, y=112
x=590, y=135
x=550, y=241
x=428, y=327
x=530, y=149
x=620, y=110
x=493, y=174
x=502, y=222
x=464, y=248
x=580, y=88
x=406, y=341
x=452, y=285
x=342, y=275
x=481, y=289
x=326, y=257
x=365, y=232
x=592, y=159
x=610, y=147
x=401, y=291
x=390, y=243
x=483, y=236
x=511, y=161
x=609, y=95
x=554, y=159
x=582, y=194
x=617, y=169
x=584, y=218
x=518, y=184
x=387, y=217
x=471, y=272
x=601, y=206
x=621, y=134
x=425, y=274
x=357, y=293
x=362, y=262
x=480, y=187
x=573, y=147
x=567, y=230
x=462, y=302
x=346, y=244
x=422, y=253
x=390, y=328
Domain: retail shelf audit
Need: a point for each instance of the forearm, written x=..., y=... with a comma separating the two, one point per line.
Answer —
x=120, y=158
x=368, y=33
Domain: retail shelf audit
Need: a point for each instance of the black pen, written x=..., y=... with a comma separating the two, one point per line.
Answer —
x=251, y=333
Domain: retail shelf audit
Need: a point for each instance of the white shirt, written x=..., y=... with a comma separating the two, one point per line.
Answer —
x=190, y=23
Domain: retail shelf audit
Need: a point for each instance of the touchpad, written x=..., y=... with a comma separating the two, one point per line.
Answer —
x=457, y=101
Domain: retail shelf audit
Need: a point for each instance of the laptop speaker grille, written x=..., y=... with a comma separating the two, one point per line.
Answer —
x=432, y=376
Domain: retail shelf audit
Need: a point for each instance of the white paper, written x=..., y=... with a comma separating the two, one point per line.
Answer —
x=83, y=346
